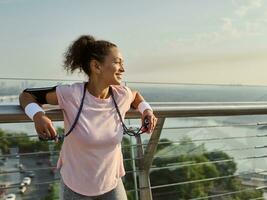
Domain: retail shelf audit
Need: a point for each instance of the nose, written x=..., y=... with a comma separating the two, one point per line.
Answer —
x=122, y=68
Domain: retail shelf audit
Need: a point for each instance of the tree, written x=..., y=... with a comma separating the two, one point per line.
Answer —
x=53, y=192
x=183, y=168
x=163, y=143
x=22, y=141
x=4, y=144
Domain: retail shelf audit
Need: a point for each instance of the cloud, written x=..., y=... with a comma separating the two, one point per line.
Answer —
x=228, y=29
x=236, y=26
x=244, y=9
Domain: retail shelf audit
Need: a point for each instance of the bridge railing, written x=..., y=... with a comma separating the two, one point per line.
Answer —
x=143, y=153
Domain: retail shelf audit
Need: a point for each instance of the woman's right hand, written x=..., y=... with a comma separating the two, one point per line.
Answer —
x=44, y=126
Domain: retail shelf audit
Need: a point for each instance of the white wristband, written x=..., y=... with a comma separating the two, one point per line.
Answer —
x=143, y=106
x=32, y=108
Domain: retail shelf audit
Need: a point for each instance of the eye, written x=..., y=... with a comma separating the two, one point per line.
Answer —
x=118, y=62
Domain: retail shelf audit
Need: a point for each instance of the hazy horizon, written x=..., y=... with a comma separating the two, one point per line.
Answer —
x=198, y=42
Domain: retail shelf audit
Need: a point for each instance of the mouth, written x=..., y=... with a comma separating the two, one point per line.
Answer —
x=119, y=76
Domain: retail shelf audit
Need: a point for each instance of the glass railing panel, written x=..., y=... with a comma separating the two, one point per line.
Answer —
x=23, y=155
x=233, y=149
x=163, y=92
x=188, y=138
x=11, y=88
x=240, y=141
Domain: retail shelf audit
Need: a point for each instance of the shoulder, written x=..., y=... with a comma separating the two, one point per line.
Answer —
x=70, y=88
x=68, y=93
x=122, y=90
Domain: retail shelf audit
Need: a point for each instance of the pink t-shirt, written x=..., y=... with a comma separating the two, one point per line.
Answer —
x=91, y=160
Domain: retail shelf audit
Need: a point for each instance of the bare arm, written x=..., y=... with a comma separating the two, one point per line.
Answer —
x=43, y=124
x=25, y=98
x=138, y=98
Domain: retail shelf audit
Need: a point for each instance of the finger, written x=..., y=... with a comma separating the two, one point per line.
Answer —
x=52, y=131
x=149, y=124
x=41, y=133
x=42, y=136
x=154, y=123
x=48, y=134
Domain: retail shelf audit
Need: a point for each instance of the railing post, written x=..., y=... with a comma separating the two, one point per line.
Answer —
x=134, y=169
x=146, y=160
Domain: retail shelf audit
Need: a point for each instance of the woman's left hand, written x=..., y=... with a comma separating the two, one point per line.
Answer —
x=151, y=119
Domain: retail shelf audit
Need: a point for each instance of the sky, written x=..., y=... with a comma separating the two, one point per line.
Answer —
x=174, y=41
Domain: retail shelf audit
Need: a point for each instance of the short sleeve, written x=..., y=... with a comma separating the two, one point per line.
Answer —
x=62, y=92
x=130, y=93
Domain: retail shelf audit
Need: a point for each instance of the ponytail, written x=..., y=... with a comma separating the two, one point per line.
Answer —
x=83, y=50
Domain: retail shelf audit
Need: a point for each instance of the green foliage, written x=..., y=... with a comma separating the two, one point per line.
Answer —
x=184, y=169
x=58, y=145
x=128, y=178
x=163, y=143
x=247, y=195
x=226, y=166
x=53, y=192
x=22, y=141
x=4, y=143
x=183, y=173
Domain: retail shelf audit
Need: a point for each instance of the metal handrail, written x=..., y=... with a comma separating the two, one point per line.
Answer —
x=14, y=113
x=178, y=165
x=176, y=184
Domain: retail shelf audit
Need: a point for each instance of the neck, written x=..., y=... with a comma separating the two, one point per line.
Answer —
x=98, y=90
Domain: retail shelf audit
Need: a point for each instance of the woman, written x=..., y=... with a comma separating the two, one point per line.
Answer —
x=90, y=161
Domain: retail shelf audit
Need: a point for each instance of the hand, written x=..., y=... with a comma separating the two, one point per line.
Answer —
x=44, y=126
x=151, y=119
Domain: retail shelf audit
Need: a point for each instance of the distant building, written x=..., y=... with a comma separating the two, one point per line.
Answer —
x=254, y=179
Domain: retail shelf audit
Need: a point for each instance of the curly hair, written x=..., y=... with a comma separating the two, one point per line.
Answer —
x=83, y=50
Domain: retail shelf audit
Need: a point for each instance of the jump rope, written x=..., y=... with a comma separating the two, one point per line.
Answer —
x=60, y=137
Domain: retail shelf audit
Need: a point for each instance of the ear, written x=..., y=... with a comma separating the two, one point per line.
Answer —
x=95, y=66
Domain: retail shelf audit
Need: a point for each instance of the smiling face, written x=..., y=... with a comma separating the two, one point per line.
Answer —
x=112, y=68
